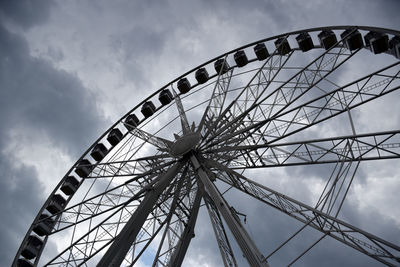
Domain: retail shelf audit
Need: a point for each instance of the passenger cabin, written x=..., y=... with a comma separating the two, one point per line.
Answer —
x=165, y=97
x=327, y=39
x=394, y=46
x=184, y=85
x=201, y=75
x=305, y=41
x=24, y=263
x=377, y=42
x=261, y=51
x=44, y=225
x=99, y=152
x=148, y=109
x=282, y=45
x=352, y=39
x=57, y=204
x=84, y=168
x=221, y=66
x=240, y=58
x=32, y=247
x=70, y=185
x=114, y=137
x=131, y=122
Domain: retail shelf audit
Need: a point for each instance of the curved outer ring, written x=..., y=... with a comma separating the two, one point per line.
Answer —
x=363, y=28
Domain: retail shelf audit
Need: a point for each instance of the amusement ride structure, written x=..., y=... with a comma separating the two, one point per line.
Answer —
x=288, y=100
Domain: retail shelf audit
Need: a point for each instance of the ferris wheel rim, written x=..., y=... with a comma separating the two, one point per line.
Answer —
x=135, y=108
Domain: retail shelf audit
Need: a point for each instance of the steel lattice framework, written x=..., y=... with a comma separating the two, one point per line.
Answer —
x=141, y=197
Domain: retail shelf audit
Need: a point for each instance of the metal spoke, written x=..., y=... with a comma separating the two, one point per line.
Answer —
x=259, y=82
x=179, y=253
x=135, y=167
x=340, y=172
x=249, y=249
x=224, y=246
x=213, y=110
x=319, y=109
x=304, y=80
x=176, y=213
x=78, y=249
x=119, y=248
x=372, y=146
x=182, y=113
x=161, y=143
x=346, y=233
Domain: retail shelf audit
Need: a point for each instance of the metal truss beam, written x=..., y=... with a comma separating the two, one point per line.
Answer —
x=182, y=113
x=369, y=244
x=135, y=168
x=216, y=102
x=161, y=143
x=188, y=233
x=171, y=211
x=176, y=219
x=105, y=202
x=249, y=249
x=261, y=80
x=319, y=109
x=286, y=94
x=224, y=246
x=120, y=247
x=371, y=146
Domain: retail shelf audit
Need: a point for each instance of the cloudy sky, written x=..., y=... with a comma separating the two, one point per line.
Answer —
x=69, y=69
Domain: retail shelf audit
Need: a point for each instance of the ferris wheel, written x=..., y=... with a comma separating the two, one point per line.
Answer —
x=134, y=196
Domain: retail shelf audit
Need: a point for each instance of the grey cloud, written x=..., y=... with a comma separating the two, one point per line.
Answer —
x=54, y=103
x=39, y=101
x=25, y=13
x=38, y=98
x=21, y=197
x=137, y=50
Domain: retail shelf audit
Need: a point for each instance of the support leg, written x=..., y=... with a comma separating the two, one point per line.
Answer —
x=120, y=247
x=249, y=249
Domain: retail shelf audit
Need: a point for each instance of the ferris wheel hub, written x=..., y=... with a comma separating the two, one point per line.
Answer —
x=185, y=144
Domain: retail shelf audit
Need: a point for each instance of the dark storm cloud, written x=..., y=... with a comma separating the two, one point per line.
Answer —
x=37, y=102
x=37, y=99
x=42, y=100
x=19, y=194
x=25, y=13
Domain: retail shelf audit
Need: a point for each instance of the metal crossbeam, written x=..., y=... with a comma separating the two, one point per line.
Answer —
x=333, y=191
x=134, y=168
x=104, y=233
x=317, y=110
x=104, y=202
x=182, y=113
x=216, y=102
x=119, y=248
x=249, y=249
x=179, y=253
x=224, y=246
x=175, y=207
x=259, y=82
x=287, y=93
x=161, y=143
x=78, y=252
x=371, y=146
x=346, y=233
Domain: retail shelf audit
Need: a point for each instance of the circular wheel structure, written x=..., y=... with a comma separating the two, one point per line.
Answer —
x=283, y=101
